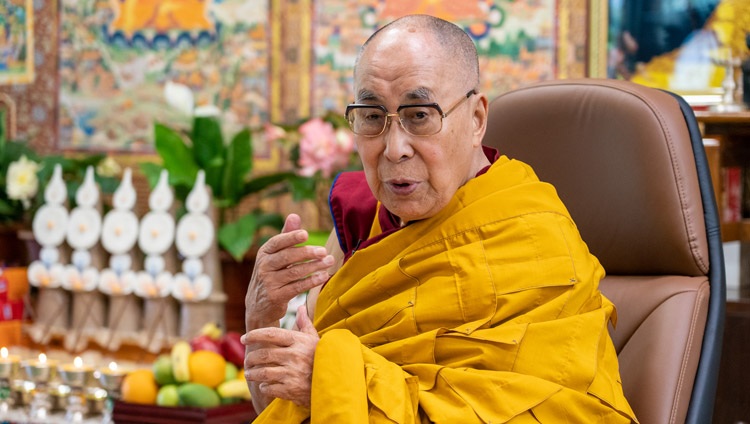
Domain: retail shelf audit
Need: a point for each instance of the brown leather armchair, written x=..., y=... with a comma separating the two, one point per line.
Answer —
x=628, y=162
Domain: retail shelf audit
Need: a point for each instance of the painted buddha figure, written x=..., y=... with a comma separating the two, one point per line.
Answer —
x=160, y=15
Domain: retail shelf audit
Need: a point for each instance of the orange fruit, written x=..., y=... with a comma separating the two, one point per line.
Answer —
x=139, y=386
x=207, y=368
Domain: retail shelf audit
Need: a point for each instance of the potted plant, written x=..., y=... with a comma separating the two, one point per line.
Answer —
x=228, y=166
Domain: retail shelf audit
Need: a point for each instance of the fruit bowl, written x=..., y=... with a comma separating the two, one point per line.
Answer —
x=133, y=413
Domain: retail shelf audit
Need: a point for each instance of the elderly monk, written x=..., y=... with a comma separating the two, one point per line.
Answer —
x=465, y=294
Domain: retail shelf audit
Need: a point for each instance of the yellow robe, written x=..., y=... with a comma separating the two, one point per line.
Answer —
x=487, y=312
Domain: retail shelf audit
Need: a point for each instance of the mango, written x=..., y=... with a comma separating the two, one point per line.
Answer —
x=198, y=395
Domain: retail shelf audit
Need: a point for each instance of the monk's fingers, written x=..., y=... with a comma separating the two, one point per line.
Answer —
x=300, y=270
x=279, y=346
x=261, y=358
x=294, y=390
x=282, y=241
x=290, y=257
x=266, y=374
x=291, y=223
x=282, y=292
x=270, y=336
x=282, y=342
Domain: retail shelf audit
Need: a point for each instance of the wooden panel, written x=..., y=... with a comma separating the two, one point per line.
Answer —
x=733, y=393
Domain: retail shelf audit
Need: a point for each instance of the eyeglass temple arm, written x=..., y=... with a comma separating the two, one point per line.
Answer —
x=458, y=103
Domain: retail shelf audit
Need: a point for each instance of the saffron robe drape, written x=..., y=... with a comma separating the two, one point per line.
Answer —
x=487, y=312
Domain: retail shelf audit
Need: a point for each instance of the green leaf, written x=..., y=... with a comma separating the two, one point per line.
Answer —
x=208, y=149
x=239, y=162
x=262, y=182
x=208, y=142
x=237, y=237
x=7, y=207
x=107, y=185
x=302, y=188
x=176, y=155
x=13, y=151
x=272, y=220
x=86, y=161
x=152, y=172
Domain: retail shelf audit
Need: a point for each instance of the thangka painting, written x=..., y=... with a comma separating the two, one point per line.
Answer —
x=16, y=41
x=117, y=56
x=515, y=40
x=678, y=46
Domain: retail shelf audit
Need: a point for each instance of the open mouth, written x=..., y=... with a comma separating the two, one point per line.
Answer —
x=403, y=187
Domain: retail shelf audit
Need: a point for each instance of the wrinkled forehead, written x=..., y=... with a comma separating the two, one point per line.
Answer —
x=397, y=66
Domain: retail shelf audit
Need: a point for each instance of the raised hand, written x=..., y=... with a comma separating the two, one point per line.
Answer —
x=282, y=271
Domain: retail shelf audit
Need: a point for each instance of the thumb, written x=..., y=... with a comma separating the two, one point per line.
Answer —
x=304, y=323
x=292, y=222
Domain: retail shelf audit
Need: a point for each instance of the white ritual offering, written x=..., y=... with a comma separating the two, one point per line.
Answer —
x=119, y=235
x=83, y=232
x=155, y=237
x=47, y=272
x=154, y=284
x=49, y=227
x=81, y=277
x=195, y=235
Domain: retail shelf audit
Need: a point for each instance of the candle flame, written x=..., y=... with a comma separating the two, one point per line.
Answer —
x=113, y=366
x=42, y=358
x=4, y=352
x=78, y=362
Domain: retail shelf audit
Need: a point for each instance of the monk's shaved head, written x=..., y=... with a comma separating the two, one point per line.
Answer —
x=454, y=42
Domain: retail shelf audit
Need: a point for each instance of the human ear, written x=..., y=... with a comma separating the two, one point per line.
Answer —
x=479, y=118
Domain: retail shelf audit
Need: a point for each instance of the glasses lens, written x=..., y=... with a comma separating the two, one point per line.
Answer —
x=366, y=120
x=420, y=120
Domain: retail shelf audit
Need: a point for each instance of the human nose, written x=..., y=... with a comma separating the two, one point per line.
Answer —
x=397, y=142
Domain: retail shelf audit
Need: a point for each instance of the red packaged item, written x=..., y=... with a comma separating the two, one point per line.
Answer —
x=3, y=288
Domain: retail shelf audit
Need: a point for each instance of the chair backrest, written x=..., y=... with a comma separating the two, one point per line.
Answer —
x=629, y=164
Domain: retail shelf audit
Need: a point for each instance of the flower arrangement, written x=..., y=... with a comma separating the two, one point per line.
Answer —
x=319, y=149
x=24, y=173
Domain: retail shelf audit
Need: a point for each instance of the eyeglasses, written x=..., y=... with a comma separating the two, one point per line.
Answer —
x=418, y=119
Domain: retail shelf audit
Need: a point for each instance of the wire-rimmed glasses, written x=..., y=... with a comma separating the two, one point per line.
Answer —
x=423, y=119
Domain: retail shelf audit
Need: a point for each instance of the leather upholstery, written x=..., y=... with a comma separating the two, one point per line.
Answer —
x=621, y=158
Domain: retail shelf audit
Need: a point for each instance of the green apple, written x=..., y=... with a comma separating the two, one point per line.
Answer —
x=168, y=396
x=162, y=369
x=230, y=372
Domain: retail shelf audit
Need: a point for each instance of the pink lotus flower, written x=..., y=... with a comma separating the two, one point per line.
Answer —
x=323, y=149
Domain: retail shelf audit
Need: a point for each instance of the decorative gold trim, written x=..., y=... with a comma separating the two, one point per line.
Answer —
x=28, y=75
x=275, y=111
x=598, y=34
x=563, y=39
x=305, y=57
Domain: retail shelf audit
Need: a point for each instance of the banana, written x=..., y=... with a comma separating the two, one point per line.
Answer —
x=180, y=353
x=234, y=388
x=211, y=330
